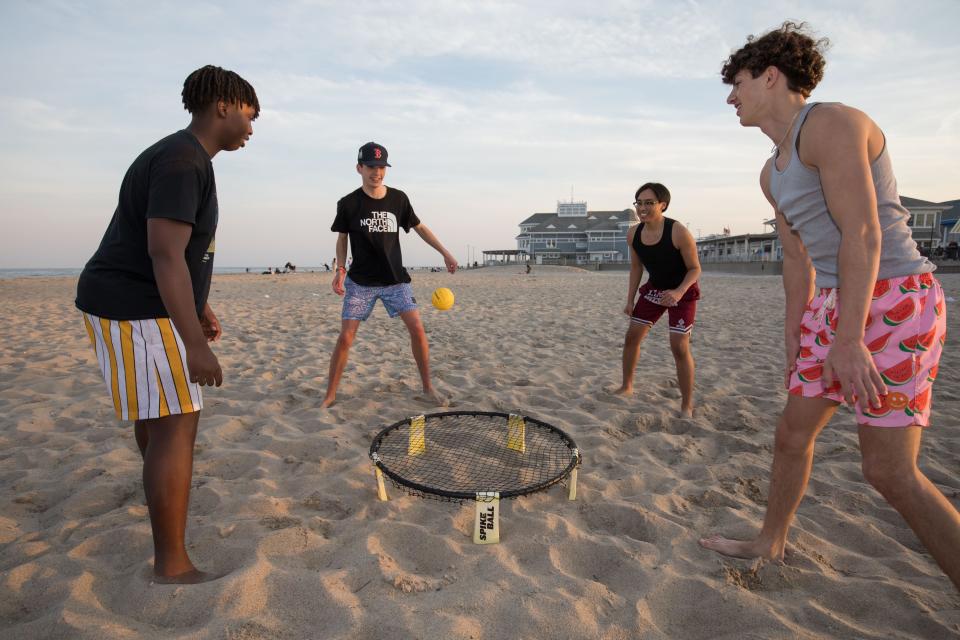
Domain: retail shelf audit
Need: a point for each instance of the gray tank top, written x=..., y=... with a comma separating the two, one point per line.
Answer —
x=799, y=196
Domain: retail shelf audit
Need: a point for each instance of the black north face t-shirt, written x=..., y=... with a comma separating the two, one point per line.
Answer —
x=374, y=228
x=171, y=179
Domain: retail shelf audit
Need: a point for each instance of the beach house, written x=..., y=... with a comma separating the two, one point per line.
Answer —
x=933, y=225
x=574, y=235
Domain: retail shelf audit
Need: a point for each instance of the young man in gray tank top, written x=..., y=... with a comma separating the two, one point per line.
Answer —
x=865, y=318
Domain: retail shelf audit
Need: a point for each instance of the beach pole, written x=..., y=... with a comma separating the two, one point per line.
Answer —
x=381, y=489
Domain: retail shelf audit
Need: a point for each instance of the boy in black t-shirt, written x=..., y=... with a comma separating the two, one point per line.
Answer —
x=143, y=296
x=371, y=217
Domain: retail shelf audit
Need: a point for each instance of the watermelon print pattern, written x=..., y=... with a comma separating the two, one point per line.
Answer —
x=904, y=332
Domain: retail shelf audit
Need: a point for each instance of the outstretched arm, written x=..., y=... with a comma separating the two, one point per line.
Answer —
x=839, y=142
x=798, y=280
x=683, y=240
x=431, y=240
x=166, y=242
x=341, y=272
x=210, y=324
x=636, y=271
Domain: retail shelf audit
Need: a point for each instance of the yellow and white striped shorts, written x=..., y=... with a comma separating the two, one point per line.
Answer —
x=144, y=364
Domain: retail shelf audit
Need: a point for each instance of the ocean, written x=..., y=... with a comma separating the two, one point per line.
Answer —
x=6, y=274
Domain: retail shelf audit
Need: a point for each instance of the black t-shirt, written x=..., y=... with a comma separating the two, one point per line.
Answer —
x=374, y=228
x=172, y=179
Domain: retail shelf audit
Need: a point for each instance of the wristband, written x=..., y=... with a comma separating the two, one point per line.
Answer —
x=344, y=269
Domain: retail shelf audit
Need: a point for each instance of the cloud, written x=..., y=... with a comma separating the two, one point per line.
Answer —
x=491, y=109
x=39, y=116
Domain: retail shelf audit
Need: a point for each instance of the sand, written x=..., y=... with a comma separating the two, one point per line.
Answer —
x=284, y=499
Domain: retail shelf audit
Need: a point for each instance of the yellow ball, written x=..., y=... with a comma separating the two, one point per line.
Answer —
x=442, y=298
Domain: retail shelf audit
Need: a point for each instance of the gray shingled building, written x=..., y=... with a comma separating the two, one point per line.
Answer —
x=574, y=235
x=933, y=225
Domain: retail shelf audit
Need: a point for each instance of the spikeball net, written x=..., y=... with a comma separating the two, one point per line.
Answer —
x=474, y=455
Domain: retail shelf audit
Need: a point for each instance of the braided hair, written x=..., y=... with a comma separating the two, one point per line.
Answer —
x=209, y=84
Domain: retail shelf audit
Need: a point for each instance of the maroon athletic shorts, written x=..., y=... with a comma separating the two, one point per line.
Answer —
x=680, y=318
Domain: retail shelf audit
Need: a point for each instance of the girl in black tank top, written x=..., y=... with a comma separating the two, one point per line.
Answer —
x=672, y=289
x=663, y=260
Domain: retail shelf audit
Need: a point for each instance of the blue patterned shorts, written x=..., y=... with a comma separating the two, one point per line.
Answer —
x=359, y=300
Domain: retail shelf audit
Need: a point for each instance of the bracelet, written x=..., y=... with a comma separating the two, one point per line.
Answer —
x=344, y=269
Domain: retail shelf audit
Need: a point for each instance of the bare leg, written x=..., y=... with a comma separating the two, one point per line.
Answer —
x=167, y=472
x=636, y=332
x=421, y=353
x=142, y=436
x=890, y=465
x=680, y=346
x=338, y=360
x=801, y=422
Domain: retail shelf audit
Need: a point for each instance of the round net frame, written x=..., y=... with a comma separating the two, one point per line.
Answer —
x=455, y=455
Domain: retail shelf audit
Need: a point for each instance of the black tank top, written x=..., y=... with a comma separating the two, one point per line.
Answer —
x=663, y=260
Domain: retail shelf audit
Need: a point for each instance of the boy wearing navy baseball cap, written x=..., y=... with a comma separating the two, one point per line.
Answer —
x=371, y=218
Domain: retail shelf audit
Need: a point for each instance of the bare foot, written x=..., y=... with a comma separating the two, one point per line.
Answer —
x=622, y=391
x=685, y=413
x=432, y=396
x=328, y=402
x=194, y=576
x=748, y=549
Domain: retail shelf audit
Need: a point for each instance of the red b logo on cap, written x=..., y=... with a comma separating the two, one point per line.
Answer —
x=377, y=154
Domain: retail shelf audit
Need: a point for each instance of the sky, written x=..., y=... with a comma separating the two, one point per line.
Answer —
x=491, y=111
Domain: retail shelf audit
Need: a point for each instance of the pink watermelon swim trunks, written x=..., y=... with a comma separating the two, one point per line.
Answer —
x=905, y=331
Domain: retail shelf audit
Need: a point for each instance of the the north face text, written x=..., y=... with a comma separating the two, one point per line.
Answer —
x=380, y=222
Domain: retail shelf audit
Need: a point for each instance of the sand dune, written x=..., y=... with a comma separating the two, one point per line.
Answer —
x=284, y=500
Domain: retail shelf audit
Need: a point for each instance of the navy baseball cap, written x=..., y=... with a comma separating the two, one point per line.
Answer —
x=373, y=155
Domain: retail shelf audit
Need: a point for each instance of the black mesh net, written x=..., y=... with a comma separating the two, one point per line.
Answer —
x=457, y=454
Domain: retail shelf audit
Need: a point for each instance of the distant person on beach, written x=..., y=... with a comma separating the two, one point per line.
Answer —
x=667, y=250
x=371, y=218
x=143, y=295
x=865, y=318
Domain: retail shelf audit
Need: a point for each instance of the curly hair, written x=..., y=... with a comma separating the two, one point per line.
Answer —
x=790, y=49
x=209, y=84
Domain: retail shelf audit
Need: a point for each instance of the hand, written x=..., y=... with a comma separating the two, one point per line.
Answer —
x=629, y=309
x=670, y=297
x=450, y=261
x=338, y=281
x=792, y=350
x=211, y=326
x=850, y=364
x=204, y=366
